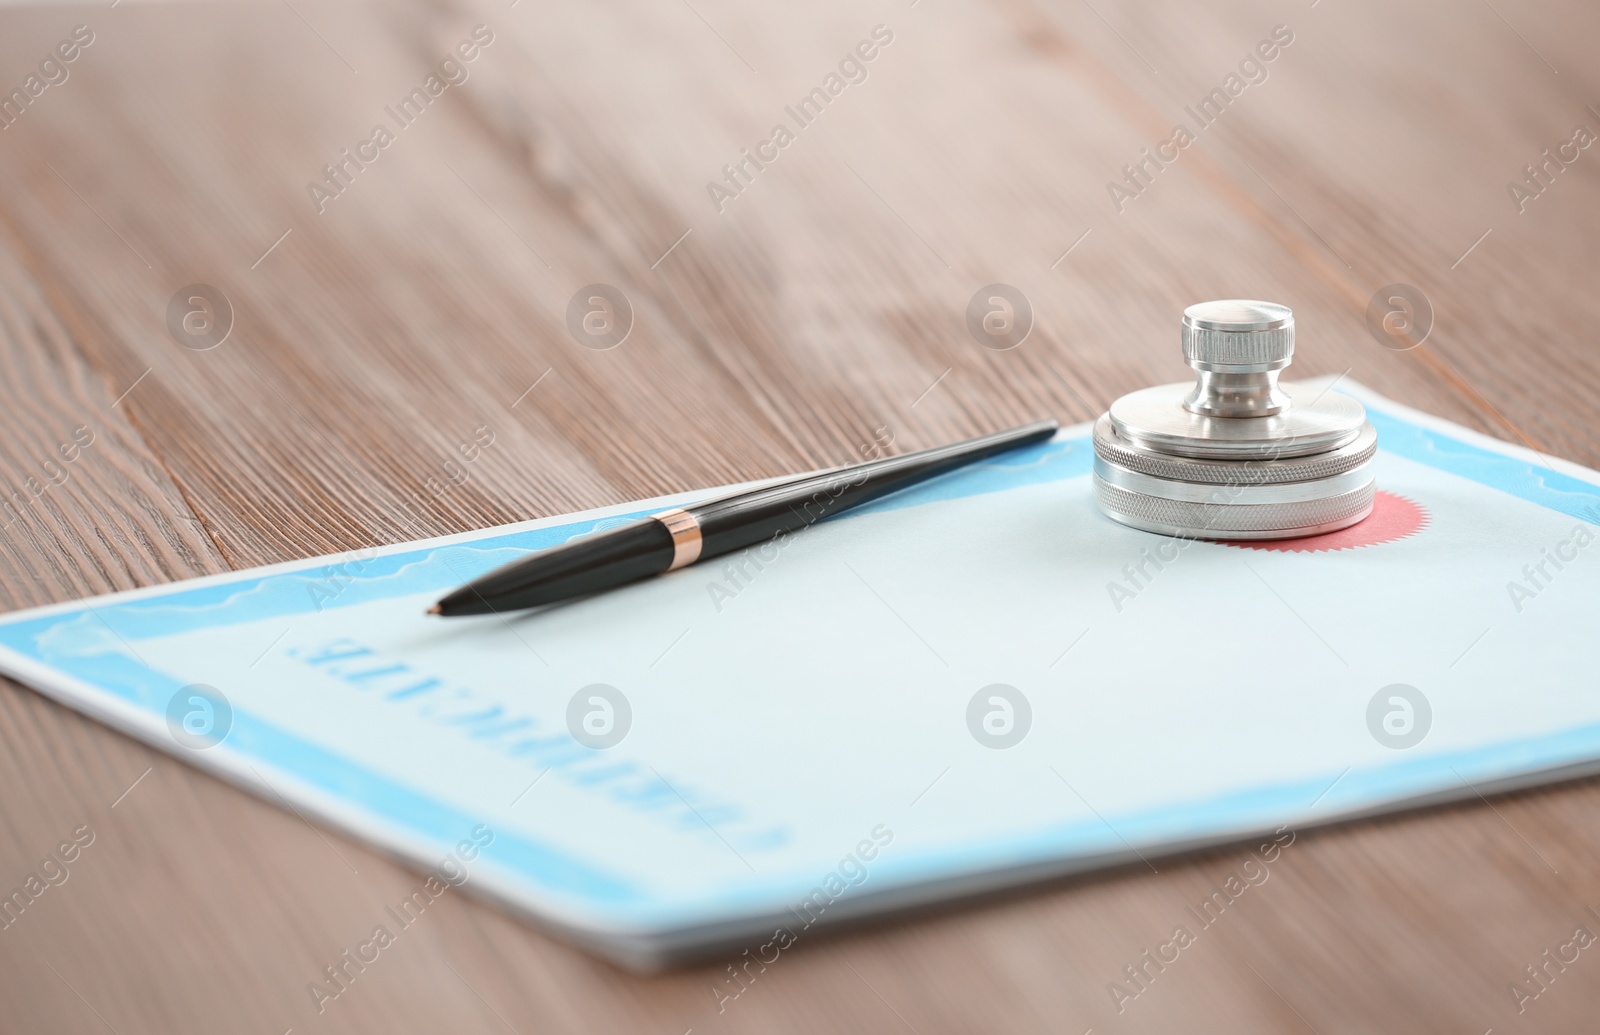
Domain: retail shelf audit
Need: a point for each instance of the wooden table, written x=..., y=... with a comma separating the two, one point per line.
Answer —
x=826, y=298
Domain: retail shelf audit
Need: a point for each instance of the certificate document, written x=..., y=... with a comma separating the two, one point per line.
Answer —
x=979, y=682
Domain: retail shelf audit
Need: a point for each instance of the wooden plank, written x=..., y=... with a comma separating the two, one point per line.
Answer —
x=823, y=301
x=87, y=507
x=1393, y=176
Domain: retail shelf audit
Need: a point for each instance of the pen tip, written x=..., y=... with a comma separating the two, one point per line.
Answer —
x=435, y=610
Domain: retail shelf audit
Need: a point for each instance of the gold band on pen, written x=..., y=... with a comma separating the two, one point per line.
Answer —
x=685, y=536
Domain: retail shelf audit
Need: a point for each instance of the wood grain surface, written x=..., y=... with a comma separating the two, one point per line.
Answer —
x=825, y=300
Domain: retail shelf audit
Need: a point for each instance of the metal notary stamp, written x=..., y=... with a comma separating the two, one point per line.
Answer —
x=1236, y=454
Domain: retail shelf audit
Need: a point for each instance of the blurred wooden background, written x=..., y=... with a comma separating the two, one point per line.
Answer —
x=825, y=300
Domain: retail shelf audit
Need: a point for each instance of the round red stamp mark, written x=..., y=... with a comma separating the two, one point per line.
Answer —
x=1393, y=517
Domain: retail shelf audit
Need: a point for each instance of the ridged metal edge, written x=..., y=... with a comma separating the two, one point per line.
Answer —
x=1237, y=348
x=1217, y=519
x=1236, y=472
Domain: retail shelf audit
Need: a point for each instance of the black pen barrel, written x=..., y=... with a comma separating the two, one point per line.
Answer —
x=737, y=522
x=676, y=537
x=584, y=565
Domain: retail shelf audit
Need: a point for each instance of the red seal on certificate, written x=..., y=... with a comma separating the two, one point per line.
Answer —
x=1393, y=517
